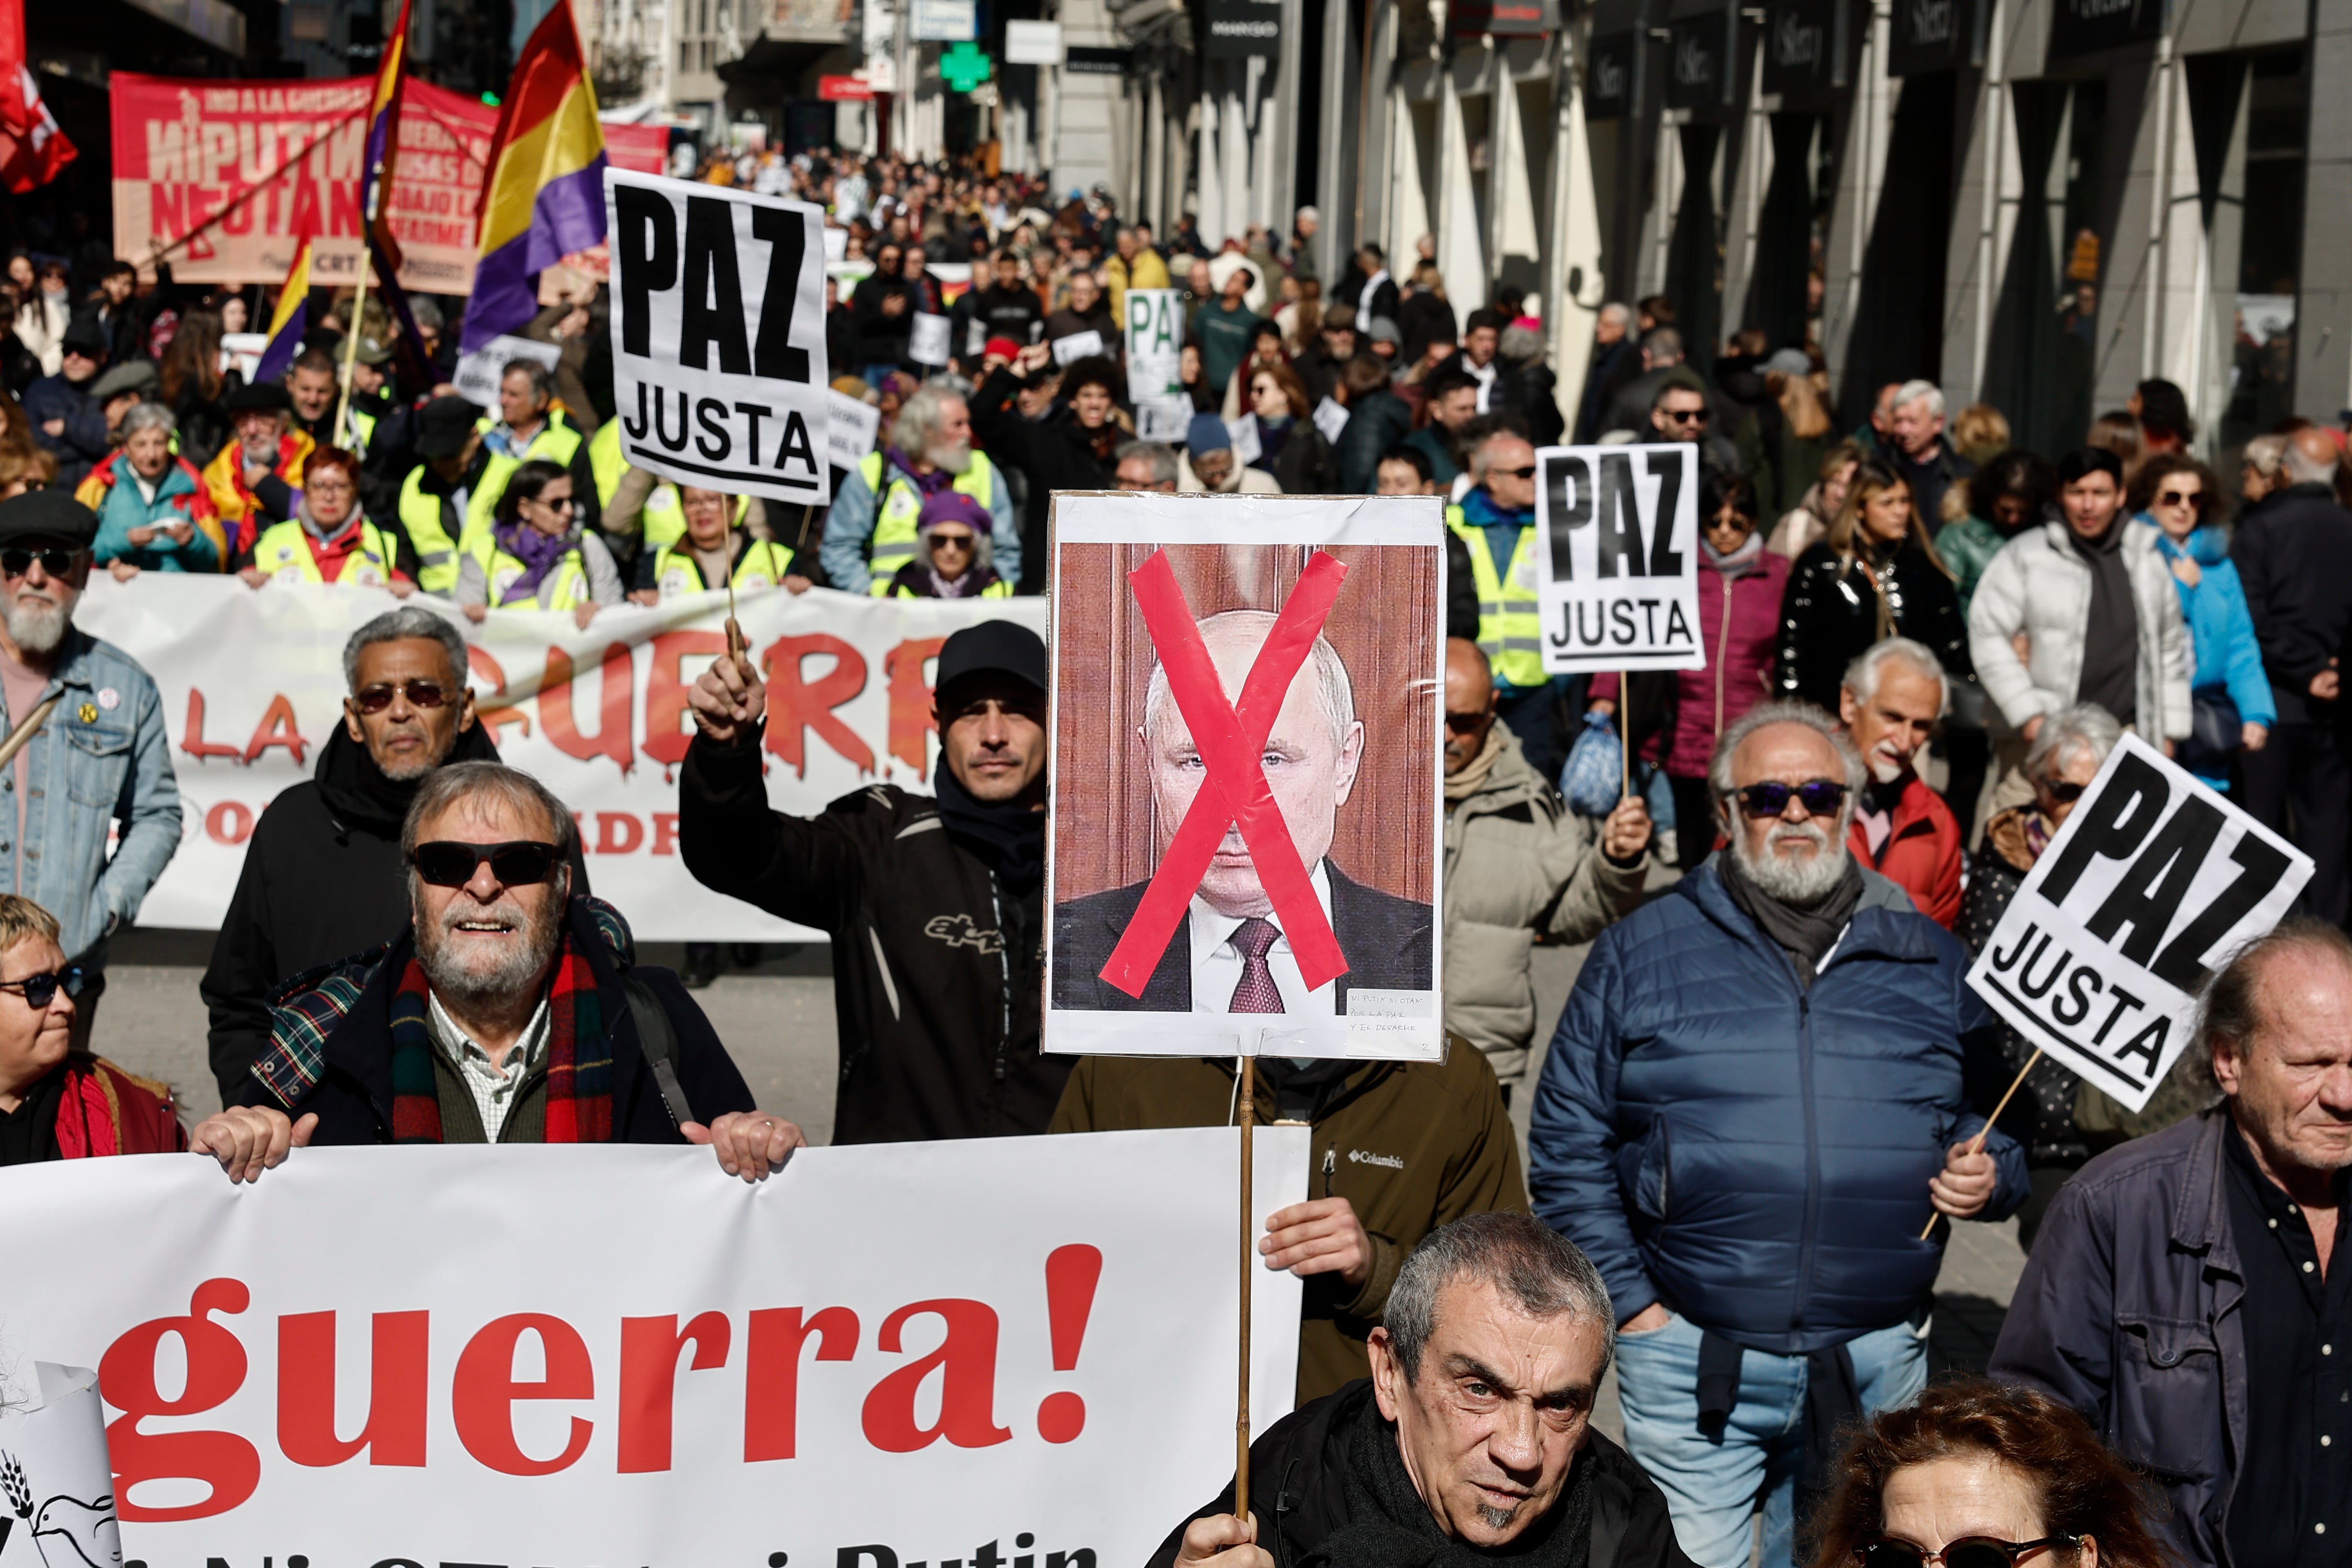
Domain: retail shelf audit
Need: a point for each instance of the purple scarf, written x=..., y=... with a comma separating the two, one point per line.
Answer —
x=538, y=552
x=928, y=484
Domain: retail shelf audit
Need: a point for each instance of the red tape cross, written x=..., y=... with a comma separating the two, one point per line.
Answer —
x=1232, y=739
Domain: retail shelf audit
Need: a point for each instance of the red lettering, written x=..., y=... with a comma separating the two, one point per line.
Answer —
x=277, y=729
x=649, y=1350
x=795, y=705
x=202, y=203
x=167, y=209
x=911, y=716
x=667, y=734
x=192, y=740
x=305, y=216
x=230, y=822
x=497, y=708
x=482, y=1403
x=344, y=207
x=966, y=1362
x=394, y=1430
x=559, y=717
x=229, y=1467
x=618, y=833
x=665, y=833
x=771, y=1377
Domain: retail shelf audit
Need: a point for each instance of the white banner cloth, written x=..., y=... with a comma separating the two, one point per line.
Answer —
x=252, y=686
x=57, y=1490
x=918, y=1350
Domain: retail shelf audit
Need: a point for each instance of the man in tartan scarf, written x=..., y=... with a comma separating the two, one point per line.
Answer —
x=508, y=1011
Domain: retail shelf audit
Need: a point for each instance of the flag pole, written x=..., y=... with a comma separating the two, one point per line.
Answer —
x=352, y=342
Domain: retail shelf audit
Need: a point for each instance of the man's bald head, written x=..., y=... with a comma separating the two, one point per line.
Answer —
x=2311, y=456
x=1469, y=704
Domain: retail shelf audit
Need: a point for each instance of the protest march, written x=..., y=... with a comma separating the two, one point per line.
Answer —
x=730, y=840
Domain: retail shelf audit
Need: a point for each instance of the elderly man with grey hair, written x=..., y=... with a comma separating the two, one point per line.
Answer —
x=871, y=530
x=323, y=877
x=1761, y=1088
x=1921, y=452
x=1892, y=700
x=1146, y=466
x=1472, y=1439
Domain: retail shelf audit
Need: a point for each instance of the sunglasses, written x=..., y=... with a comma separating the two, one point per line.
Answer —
x=1969, y=1551
x=1685, y=415
x=950, y=541
x=1527, y=473
x=1465, y=724
x=516, y=864
x=2061, y=790
x=1820, y=797
x=39, y=990
x=16, y=561
x=420, y=694
x=2179, y=497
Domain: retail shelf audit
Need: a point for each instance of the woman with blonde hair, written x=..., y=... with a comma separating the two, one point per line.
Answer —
x=1979, y=433
x=1803, y=525
x=1873, y=576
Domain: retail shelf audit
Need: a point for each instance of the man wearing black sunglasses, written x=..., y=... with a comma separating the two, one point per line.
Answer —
x=508, y=1011
x=1761, y=1087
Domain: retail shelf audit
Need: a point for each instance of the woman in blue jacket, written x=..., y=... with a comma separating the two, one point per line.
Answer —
x=2178, y=496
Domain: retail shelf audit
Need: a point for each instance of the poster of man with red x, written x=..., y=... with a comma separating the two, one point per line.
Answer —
x=1246, y=815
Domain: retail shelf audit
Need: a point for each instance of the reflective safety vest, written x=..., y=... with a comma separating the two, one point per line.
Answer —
x=663, y=518
x=1000, y=589
x=362, y=432
x=429, y=519
x=569, y=577
x=896, y=513
x=557, y=442
x=764, y=564
x=283, y=554
x=1510, y=626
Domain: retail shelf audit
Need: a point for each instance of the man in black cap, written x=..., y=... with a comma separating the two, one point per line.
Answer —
x=432, y=504
x=934, y=905
x=97, y=735
x=68, y=422
x=256, y=478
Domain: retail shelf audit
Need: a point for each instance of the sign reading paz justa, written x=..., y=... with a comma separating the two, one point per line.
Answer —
x=2154, y=881
x=719, y=369
x=1618, y=567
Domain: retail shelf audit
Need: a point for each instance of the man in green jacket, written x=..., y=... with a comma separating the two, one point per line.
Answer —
x=1519, y=866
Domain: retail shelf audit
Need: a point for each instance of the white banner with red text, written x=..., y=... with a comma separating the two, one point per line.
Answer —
x=1008, y=1351
x=253, y=684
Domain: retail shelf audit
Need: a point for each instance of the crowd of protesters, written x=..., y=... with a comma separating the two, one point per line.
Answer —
x=1922, y=643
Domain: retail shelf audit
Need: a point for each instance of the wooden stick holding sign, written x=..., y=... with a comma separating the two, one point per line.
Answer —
x=1977, y=1143
x=1624, y=735
x=1249, y=1264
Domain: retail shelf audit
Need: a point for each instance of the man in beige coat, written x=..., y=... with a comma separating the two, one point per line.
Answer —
x=1518, y=866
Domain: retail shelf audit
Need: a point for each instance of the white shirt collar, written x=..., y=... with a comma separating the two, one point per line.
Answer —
x=1217, y=968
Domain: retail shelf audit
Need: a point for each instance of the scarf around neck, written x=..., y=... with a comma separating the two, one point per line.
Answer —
x=1806, y=936
x=538, y=552
x=928, y=484
x=1008, y=836
x=1389, y=1525
x=579, y=1056
x=1472, y=776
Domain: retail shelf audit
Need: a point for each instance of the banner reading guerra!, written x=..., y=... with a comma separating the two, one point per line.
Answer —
x=252, y=686
x=245, y=167
x=986, y=1351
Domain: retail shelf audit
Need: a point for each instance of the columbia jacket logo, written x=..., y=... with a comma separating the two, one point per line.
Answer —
x=1359, y=1157
x=962, y=930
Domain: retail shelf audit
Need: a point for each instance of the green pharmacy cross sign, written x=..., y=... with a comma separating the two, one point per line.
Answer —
x=964, y=67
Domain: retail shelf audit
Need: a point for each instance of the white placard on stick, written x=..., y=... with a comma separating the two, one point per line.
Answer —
x=2153, y=882
x=927, y=342
x=851, y=426
x=479, y=372
x=1616, y=560
x=1164, y=419
x=1077, y=346
x=1330, y=417
x=1247, y=448
x=1154, y=335
x=719, y=371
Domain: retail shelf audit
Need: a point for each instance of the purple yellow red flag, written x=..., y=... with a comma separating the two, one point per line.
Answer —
x=290, y=320
x=544, y=193
x=383, y=146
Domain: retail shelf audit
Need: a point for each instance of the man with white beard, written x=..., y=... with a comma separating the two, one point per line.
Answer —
x=1762, y=1088
x=94, y=758
x=1892, y=700
x=508, y=1010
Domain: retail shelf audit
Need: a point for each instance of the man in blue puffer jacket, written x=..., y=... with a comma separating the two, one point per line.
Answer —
x=1762, y=1090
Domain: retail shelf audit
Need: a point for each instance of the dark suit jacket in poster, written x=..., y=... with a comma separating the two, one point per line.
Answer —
x=1384, y=939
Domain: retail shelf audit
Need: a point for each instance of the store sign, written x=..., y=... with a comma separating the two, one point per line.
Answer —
x=1697, y=77
x=944, y=21
x=1085, y=59
x=1609, y=76
x=1804, y=44
x=1503, y=18
x=843, y=90
x=1032, y=43
x=1932, y=36
x=2090, y=26
x=1240, y=29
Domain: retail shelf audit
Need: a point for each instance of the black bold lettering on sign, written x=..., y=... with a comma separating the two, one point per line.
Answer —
x=2150, y=892
x=1563, y=476
x=795, y=443
x=1619, y=552
x=710, y=262
x=712, y=415
x=2118, y=820
x=646, y=254
x=1667, y=468
x=773, y=355
x=2264, y=866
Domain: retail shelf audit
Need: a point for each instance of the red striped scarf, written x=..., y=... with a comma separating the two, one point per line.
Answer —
x=578, y=1057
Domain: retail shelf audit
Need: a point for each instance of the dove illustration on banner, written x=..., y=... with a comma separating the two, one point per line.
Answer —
x=56, y=1488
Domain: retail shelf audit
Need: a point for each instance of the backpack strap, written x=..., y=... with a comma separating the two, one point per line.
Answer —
x=658, y=1041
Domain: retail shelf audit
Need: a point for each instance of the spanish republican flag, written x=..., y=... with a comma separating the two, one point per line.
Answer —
x=543, y=192
x=290, y=320
x=383, y=147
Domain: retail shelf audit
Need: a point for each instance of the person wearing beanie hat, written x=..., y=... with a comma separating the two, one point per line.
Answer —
x=69, y=420
x=935, y=905
x=952, y=557
x=429, y=505
x=1209, y=466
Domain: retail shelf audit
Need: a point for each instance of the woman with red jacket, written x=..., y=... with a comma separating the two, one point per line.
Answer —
x=58, y=1102
x=1676, y=716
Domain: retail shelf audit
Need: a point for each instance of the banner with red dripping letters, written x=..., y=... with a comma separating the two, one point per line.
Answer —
x=252, y=685
x=1015, y=1353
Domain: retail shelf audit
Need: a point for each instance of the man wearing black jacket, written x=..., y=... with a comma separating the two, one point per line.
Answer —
x=1472, y=1438
x=1071, y=448
x=934, y=906
x=1006, y=308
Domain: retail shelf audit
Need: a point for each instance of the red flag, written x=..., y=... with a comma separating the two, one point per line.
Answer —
x=32, y=148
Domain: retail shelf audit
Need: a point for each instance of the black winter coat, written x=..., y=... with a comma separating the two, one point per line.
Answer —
x=2293, y=554
x=1305, y=466
x=1055, y=453
x=938, y=968
x=1299, y=1492
x=1376, y=423
x=2042, y=1114
x=1830, y=614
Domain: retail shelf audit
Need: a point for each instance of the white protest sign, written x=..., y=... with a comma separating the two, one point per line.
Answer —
x=719, y=371
x=1247, y=448
x=1154, y=337
x=1616, y=562
x=56, y=1487
x=1164, y=419
x=1330, y=417
x=479, y=372
x=2148, y=888
x=1077, y=346
x=903, y=1351
x=927, y=342
x=851, y=426
x=242, y=352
